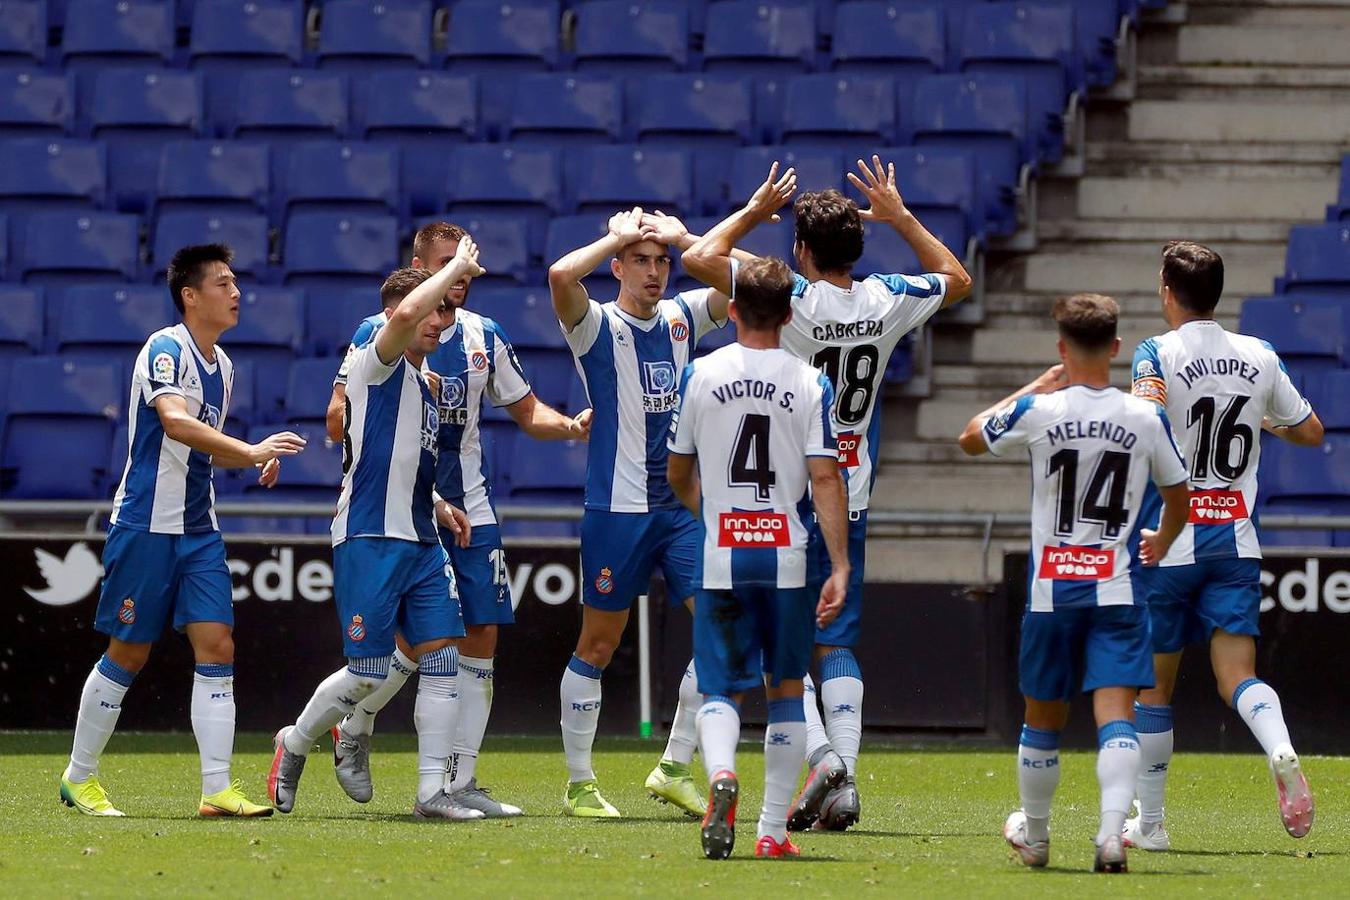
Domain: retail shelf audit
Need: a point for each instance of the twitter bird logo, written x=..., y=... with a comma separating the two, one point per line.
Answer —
x=69, y=580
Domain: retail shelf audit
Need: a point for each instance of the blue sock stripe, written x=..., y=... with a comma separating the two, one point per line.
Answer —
x=1120, y=728
x=396, y=663
x=840, y=664
x=723, y=698
x=1152, y=719
x=1237, y=692
x=115, y=673
x=581, y=667
x=787, y=709
x=370, y=666
x=442, y=663
x=1039, y=738
x=476, y=671
x=215, y=670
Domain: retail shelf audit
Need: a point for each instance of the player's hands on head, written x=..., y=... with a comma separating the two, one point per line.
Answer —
x=453, y=518
x=664, y=229
x=626, y=225
x=1151, y=550
x=283, y=443
x=581, y=424
x=1052, y=379
x=773, y=194
x=269, y=472
x=831, y=598
x=878, y=186
x=466, y=258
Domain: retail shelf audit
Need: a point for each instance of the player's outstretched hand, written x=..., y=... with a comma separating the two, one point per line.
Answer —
x=466, y=257
x=581, y=424
x=269, y=472
x=831, y=598
x=453, y=518
x=626, y=225
x=283, y=443
x=664, y=229
x=1052, y=379
x=1150, y=553
x=773, y=194
x=878, y=186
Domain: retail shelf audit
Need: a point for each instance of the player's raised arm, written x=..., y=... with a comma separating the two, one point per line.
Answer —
x=564, y=276
x=395, y=337
x=709, y=258
x=225, y=451
x=878, y=186
x=973, y=440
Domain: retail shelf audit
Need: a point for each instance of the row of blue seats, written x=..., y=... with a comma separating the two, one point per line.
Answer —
x=1340, y=210
x=1311, y=331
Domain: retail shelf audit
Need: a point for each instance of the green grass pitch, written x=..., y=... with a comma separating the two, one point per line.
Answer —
x=931, y=821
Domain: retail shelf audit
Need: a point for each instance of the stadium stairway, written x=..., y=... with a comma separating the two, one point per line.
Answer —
x=1234, y=132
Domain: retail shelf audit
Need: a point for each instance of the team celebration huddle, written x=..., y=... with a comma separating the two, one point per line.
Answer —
x=743, y=477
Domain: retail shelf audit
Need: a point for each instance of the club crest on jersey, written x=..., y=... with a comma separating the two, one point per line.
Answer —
x=1144, y=369
x=848, y=444
x=1217, y=507
x=210, y=415
x=127, y=614
x=678, y=330
x=998, y=422
x=357, y=630
x=431, y=423
x=452, y=408
x=752, y=529
x=162, y=368
x=478, y=360
x=658, y=387
x=604, y=582
x=1077, y=563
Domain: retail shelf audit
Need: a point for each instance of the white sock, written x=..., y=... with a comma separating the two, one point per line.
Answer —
x=362, y=719
x=784, y=753
x=1259, y=706
x=579, y=694
x=100, y=705
x=719, y=730
x=841, y=693
x=1154, y=724
x=1117, y=773
x=435, y=713
x=213, y=723
x=335, y=697
x=475, y=705
x=1037, y=778
x=684, y=727
x=817, y=740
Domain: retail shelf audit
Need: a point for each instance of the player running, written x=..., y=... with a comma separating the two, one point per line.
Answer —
x=390, y=572
x=1219, y=390
x=752, y=431
x=847, y=328
x=1093, y=449
x=164, y=560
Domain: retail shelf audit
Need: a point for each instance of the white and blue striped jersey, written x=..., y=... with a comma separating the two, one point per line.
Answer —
x=388, y=452
x=364, y=334
x=1216, y=386
x=1092, y=453
x=752, y=417
x=166, y=486
x=475, y=360
x=849, y=333
x=631, y=368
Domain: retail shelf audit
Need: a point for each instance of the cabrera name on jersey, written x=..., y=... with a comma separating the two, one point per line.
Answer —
x=849, y=334
x=753, y=417
x=1093, y=451
x=166, y=485
x=1217, y=387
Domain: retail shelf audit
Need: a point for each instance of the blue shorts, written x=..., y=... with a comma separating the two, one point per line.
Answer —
x=480, y=575
x=844, y=630
x=1187, y=603
x=1084, y=648
x=152, y=579
x=383, y=585
x=621, y=551
x=743, y=635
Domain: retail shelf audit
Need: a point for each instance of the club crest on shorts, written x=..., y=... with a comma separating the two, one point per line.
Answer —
x=127, y=614
x=604, y=582
x=357, y=630
x=678, y=330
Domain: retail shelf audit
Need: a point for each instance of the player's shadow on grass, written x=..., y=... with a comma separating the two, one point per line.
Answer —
x=1292, y=854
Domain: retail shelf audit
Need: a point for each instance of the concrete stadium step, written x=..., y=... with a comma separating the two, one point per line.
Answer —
x=1141, y=156
x=1273, y=43
x=1266, y=12
x=1007, y=377
x=1038, y=348
x=1240, y=195
x=939, y=452
x=1180, y=120
x=1133, y=229
x=1133, y=267
x=953, y=488
x=1227, y=75
x=918, y=559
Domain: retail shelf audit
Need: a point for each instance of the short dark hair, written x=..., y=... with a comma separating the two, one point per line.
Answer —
x=828, y=224
x=1088, y=321
x=1194, y=273
x=400, y=284
x=188, y=268
x=763, y=292
x=432, y=232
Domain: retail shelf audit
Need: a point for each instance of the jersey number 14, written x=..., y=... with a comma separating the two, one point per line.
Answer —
x=1104, y=500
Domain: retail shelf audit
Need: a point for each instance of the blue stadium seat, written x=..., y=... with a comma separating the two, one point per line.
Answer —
x=36, y=103
x=61, y=417
x=1329, y=394
x=1038, y=42
x=565, y=109
x=939, y=187
x=332, y=316
x=507, y=250
x=368, y=34
x=109, y=321
x=352, y=176
x=314, y=475
x=134, y=111
x=750, y=37
x=984, y=115
x=324, y=247
x=555, y=476
x=1309, y=333
x=838, y=110
x=567, y=233
x=818, y=169
x=1317, y=473
x=41, y=173
x=503, y=37
x=67, y=247
x=650, y=176
x=1340, y=211
x=524, y=179
x=693, y=111
x=243, y=400
x=23, y=33
x=619, y=36
x=1098, y=27
x=225, y=176
x=889, y=37
x=526, y=316
x=244, y=232
x=128, y=32
x=766, y=240
x=247, y=33
x=885, y=252
x=270, y=332
x=285, y=104
x=22, y=324
x=1317, y=261
x=309, y=386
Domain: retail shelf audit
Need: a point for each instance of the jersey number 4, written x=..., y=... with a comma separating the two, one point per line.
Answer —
x=750, y=466
x=1104, y=500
